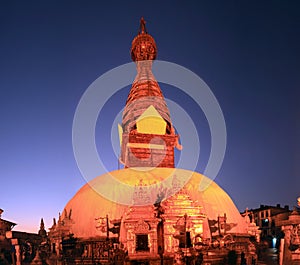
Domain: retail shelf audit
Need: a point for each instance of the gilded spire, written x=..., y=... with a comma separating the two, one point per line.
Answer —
x=142, y=26
x=145, y=90
x=147, y=136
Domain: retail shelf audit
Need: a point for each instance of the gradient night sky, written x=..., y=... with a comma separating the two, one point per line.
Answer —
x=51, y=51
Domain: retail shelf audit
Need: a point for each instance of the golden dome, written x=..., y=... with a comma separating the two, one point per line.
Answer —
x=87, y=205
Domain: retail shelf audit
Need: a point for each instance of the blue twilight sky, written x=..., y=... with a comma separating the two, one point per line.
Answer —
x=51, y=51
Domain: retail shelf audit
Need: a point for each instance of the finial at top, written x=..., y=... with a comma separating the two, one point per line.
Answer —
x=142, y=26
x=143, y=45
x=42, y=225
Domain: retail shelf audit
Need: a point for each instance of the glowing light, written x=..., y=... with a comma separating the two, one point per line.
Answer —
x=199, y=230
x=274, y=240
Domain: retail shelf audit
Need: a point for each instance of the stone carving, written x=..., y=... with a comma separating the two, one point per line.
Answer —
x=294, y=238
x=141, y=194
x=176, y=186
x=101, y=224
x=141, y=227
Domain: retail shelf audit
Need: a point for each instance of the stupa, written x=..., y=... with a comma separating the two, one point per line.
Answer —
x=167, y=217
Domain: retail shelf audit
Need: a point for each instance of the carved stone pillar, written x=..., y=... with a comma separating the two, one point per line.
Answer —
x=18, y=255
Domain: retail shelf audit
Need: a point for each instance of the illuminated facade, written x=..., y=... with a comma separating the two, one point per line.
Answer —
x=173, y=221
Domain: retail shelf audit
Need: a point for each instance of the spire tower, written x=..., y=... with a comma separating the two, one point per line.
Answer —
x=42, y=232
x=146, y=134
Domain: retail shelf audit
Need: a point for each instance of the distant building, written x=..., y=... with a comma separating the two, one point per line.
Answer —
x=4, y=227
x=18, y=247
x=268, y=219
x=5, y=246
